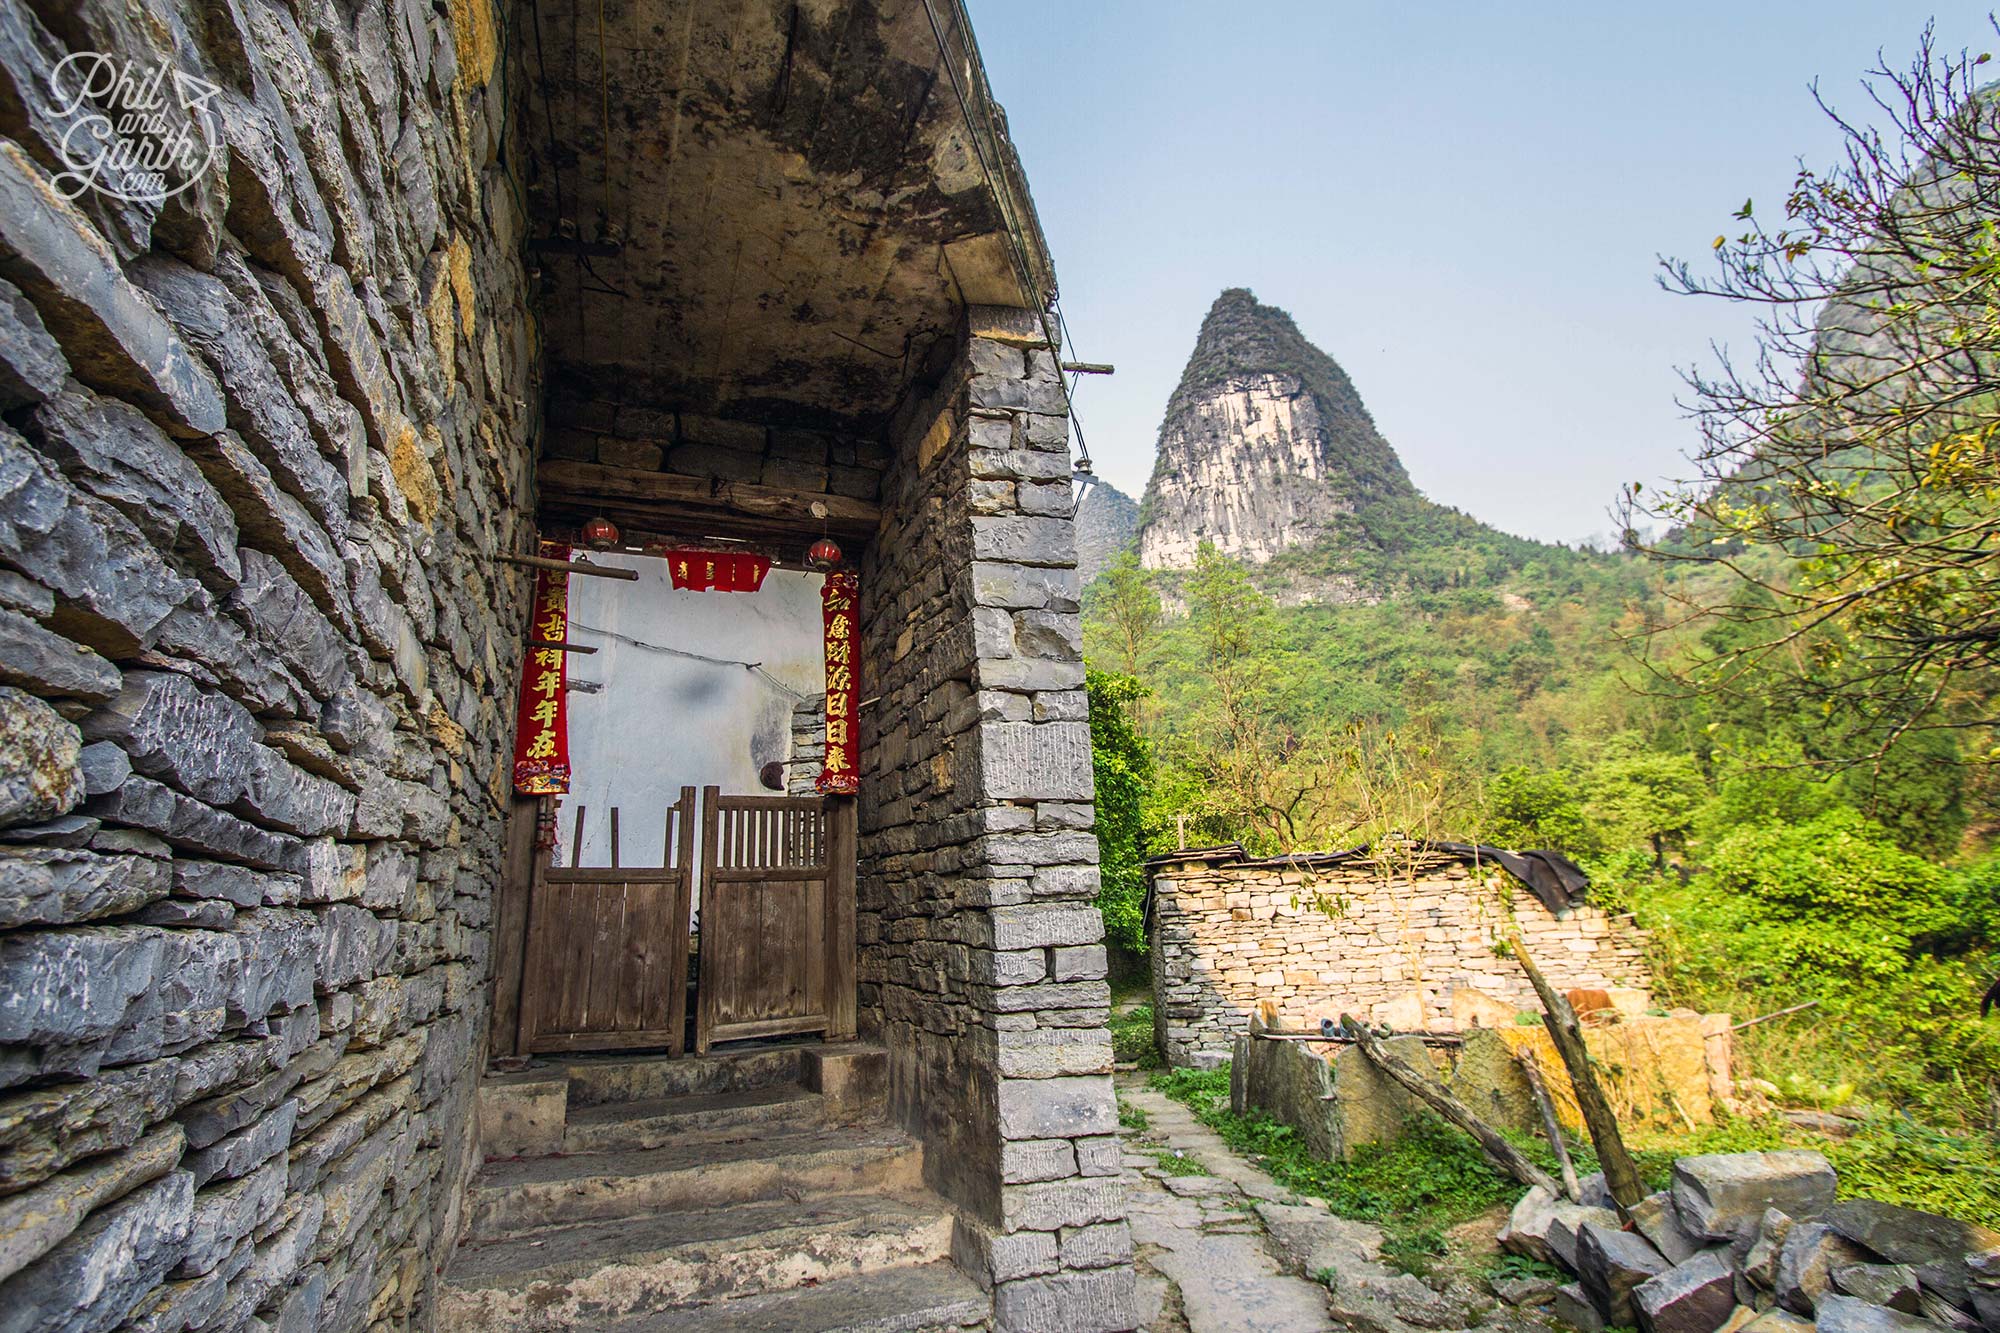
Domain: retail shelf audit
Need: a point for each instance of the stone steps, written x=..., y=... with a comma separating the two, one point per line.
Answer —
x=586, y=1275
x=616, y=1126
x=510, y=1197
x=896, y=1300
x=598, y=1080
x=753, y=1189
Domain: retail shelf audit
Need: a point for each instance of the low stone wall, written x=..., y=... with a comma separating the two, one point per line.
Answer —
x=1411, y=944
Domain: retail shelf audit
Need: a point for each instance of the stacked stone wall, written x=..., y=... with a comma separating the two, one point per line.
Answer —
x=982, y=956
x=261, y=443
x=1389, y=942
x=597, y=424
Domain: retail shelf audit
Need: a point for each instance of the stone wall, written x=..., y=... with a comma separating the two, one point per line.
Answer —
x=806, y=759
x=593, y=423
x=982, y=958
x=1406, y=943
x=260, y=444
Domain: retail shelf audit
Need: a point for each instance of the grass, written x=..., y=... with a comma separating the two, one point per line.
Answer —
x=1174, y=1164
x=1435, y=1178
x=1130, y=1116
x=1890, y=1157
x=1415, y=1189
x=1132, y=1038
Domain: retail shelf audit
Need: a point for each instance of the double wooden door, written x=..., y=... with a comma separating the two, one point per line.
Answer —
x=606, y=963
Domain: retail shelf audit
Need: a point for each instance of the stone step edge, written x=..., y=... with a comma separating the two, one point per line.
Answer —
x=795, y=1174
x=697, y=1273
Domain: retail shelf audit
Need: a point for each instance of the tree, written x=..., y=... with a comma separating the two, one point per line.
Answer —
x=1526, y=808
x=1645, y=796
x=1849, y=475
x=1124, y=600
x=1123, y=767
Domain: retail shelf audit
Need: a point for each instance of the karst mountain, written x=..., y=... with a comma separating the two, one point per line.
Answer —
x=1267, y=452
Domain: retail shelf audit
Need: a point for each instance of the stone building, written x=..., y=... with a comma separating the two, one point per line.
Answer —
x=1407, y=939
x=436, y=280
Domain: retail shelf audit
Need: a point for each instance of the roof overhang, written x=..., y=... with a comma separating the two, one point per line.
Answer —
x=764, y=209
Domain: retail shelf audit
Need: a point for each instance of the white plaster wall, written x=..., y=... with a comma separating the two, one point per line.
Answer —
x=663, y=721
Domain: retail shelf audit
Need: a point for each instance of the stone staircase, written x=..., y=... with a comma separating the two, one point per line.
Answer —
x=747, y=1192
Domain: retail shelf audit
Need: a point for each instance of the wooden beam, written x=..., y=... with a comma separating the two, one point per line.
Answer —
x=569, y=566
x=1621, y=1176
x=697, y=501
x=1498, y=1151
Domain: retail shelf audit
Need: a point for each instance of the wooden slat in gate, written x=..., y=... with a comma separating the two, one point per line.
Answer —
x=607, y=949
x=777, y=917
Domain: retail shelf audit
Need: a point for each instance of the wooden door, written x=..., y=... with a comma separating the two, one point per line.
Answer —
x=607, y=948
x=777, y=917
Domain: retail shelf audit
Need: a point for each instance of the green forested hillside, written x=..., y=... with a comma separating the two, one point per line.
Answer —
x=1504, y=690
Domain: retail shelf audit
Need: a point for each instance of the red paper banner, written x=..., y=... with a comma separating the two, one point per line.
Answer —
x=717, y=571
x=541, y=726
x=842, y=774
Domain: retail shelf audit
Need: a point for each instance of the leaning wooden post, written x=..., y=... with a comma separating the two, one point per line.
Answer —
x=1498, y=1151
x=1620, y=1175
x=1532, y=1070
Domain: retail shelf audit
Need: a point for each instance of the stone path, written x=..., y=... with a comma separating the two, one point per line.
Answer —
x=1228, y=1251
x=1205, y=1262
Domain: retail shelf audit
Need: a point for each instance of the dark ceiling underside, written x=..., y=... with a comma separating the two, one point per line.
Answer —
x=763, y=209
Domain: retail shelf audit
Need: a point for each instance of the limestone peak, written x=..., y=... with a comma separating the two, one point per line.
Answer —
x=1265, y=443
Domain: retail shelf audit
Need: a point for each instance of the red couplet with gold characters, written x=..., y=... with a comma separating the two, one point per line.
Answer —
x=717, y=571
x=842, y=774
x=541, y=726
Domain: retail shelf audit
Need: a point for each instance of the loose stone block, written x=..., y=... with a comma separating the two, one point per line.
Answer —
x=1692, y=1297
x=1611, y=1264
x=1723, y=1196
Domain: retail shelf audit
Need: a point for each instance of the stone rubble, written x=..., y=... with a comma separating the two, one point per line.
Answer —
x=1755, y=1243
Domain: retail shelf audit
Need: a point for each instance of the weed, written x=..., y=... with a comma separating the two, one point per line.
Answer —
x=1130, y=1116
x=1173, y=1163
x=1504, y=1265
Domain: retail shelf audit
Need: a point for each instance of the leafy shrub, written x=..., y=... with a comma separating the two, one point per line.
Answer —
x=1893, y=948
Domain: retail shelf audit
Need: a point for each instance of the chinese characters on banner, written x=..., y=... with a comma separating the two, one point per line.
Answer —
x=717, y=571
x=842, y=774
x=541, y=729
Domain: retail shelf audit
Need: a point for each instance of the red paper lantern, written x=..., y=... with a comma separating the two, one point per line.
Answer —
x=600, y=533
x=823, y=554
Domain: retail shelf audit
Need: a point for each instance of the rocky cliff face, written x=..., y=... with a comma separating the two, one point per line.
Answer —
x=1265, y=443
x=1106, y=518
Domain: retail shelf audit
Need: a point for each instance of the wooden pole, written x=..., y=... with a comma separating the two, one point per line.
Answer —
x=560, y=646
x=1498, y=1151
x=1620, y=1174
x=569, y=566
x=1551, y=1126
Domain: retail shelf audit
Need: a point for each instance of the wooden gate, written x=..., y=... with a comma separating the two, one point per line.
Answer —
x=607, y=947
x=777, y=917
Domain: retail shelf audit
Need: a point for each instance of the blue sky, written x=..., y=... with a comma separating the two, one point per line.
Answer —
x=1461, y=202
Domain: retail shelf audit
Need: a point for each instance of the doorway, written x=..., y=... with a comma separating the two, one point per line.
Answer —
x=685, y=892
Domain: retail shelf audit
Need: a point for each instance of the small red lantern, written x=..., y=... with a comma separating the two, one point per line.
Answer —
x=601, y=534
x=823, y=554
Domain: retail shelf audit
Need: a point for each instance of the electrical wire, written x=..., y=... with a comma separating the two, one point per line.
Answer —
x=755, y=668
x=1017, y=245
